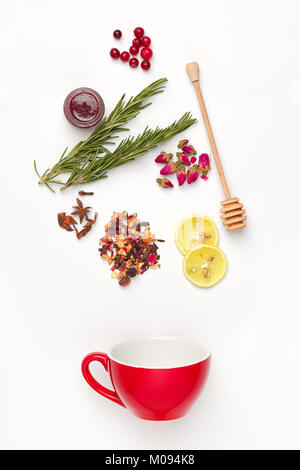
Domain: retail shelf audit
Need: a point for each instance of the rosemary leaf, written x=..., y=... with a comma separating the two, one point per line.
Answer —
x=130, y=148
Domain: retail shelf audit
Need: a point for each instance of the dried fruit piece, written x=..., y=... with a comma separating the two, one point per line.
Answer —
x=131, y=272
x=124, y=281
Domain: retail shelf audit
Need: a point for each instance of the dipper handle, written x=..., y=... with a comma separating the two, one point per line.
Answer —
x=193, y=72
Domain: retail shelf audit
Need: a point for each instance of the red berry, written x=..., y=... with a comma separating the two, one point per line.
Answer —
x=114, y=53
x=139, y=32
x=137, y=42
x=125, y=56
x=145, y=65
x=134, y=62
x=146, y=53
x=134, y=50
x=146, y=41
x=117, y=34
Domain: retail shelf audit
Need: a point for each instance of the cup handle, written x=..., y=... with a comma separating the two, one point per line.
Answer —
x=104, y=360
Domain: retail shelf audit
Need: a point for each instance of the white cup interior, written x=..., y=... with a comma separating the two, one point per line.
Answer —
x=158, y=352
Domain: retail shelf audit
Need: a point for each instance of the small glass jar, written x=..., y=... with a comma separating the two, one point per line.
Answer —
x=84, y=107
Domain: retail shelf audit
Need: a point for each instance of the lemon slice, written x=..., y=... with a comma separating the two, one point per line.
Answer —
x=205, y=266
x=195, y=230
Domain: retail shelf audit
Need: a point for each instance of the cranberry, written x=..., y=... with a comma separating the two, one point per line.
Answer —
x=139, y=32
x=134, y=50
x=114, y=53
x=145, y=65
x=134, y=63
x=117, y=34
x=146, y=41
x=146, y=53
x=125, y=56
x=137, y=42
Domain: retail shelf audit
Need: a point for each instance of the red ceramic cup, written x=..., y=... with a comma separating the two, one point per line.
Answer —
x=155, y=378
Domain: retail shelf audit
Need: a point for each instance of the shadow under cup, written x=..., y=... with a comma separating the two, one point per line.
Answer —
x=156, y=378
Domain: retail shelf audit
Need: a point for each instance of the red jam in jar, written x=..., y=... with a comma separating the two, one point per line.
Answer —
x=84, y=107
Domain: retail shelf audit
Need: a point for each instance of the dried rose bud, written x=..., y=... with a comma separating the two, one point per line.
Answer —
x=204, y=177
x=193, y=174
x=181, y=175
x=164, y=157
x=182, y=143
x=164, y=183
x=193, y=159
x=169, y=169
x=189, y=150
x=183, y=158
x=204, y=163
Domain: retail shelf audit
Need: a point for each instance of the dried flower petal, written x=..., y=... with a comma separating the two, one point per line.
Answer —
x=193, y=174
x=204, y=177
x=164, y=183
x=181, y=175
x=193, y=159
x=152, y=259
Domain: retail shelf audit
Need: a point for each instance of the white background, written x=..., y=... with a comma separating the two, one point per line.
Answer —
x=57, y=299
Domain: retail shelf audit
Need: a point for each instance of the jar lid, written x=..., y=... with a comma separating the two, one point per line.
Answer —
x=84, y=107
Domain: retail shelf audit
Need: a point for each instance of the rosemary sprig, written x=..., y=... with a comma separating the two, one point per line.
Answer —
x=130, y=148
x=86, y=150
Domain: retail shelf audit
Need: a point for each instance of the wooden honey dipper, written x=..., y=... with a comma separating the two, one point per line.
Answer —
x=232, y=212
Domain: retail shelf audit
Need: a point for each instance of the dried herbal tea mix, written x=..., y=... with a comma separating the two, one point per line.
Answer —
x=68, y=222
x=129, y=247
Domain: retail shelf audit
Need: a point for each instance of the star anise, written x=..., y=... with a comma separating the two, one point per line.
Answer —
x=81, y=211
